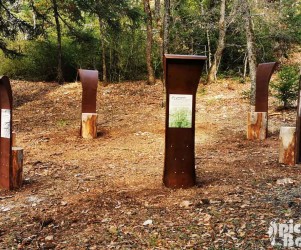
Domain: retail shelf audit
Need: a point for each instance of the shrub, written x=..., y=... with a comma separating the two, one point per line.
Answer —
x=286, y=88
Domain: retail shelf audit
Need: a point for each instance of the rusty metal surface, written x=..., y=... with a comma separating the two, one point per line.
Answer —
x=263, y=75
x=89, y=80
x=6, y=101
x=182, y=75
x=298, y=127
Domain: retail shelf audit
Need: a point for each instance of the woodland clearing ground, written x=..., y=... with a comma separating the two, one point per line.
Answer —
x=96, y=194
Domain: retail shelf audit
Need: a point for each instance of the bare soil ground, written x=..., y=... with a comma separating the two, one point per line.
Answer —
x=97, y=194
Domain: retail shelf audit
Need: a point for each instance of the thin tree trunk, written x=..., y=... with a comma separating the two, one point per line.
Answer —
x=60, y=77
x=166, y=26
x=208, y=64
x=149, y=42
x=220, y=45
x=251, y=51
x=209, y=47
x=157, y=9
x=245, y=67
x=159, y=27
x=103, y=51
x=104, y=63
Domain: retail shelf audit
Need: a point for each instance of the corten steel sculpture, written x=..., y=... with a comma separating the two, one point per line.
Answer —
x=89, y=80
x=298, y=127
x=182, y=75
x=258, y=120
x=6, y=103
x=263, y=76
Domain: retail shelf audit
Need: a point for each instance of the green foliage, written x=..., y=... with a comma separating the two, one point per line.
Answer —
x=287, y=86
x=39, y=60
x=246, y=94
x=119, y=26
x=11, y=25
x=292, y=18
x=180, y=119
x=36, y=64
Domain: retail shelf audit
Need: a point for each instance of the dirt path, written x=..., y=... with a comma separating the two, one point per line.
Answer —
x=82, y=194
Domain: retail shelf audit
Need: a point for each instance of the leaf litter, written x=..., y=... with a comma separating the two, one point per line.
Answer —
x=107, y=193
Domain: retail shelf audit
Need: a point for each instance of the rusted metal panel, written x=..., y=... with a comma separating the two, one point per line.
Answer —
x=89, y=80
x=6, y=105
x=182, y=75
x=298, y=127
x=263, y=76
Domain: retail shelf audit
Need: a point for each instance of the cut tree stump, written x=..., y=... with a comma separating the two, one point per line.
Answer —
x=14, y=139
x=287, y=139
x=17, y=167
x=257, y=125
x=89, y=125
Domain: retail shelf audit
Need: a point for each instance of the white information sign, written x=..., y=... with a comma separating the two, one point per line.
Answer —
x=5, y=123
x=180, y=111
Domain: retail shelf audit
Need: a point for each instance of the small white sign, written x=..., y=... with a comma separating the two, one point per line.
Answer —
x=5, y=123
x=180, y=111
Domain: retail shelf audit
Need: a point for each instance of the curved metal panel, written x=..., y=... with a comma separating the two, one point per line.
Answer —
x=89, y=80
x=6, y=103
x=263, y=75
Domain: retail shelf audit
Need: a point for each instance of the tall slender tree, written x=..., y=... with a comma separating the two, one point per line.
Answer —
x=56, y=14
x=149, y=42
x=220, y=44
x=166, y=25
x=109, y=14
x=60, y=77
x=250, y=48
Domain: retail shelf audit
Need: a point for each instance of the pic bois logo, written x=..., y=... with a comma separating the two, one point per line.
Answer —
x=285, y=234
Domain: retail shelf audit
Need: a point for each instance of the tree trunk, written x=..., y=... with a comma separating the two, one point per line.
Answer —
x=157, y=9
x=17, y=166
x=103, y=51
x=60, y=77
x=245, y=67
x=257, y=126
x=159, y=28
x=104, y=64
x=209, y=47
x=89, y=125
x=251, y=51
x=166, y=26
x=220, y=45
x=287, y=138
x=149, y=42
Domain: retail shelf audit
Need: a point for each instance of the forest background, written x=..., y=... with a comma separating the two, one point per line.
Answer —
x=48, y=40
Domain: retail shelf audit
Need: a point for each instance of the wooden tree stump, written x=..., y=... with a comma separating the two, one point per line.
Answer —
x=89, y=125
x=14, y=139
x=287, y=139
x=257, y=125
x=17, y=167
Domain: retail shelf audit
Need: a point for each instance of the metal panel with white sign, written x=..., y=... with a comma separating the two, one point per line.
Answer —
x=182, y=76
x=6, y=102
